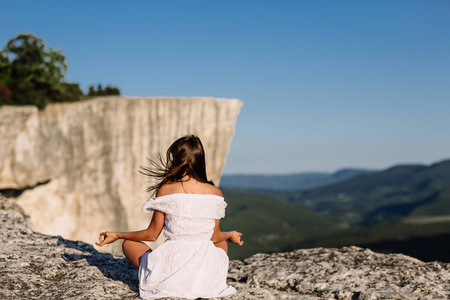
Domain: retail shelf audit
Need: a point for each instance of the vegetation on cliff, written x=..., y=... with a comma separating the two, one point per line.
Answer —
x=32, y=74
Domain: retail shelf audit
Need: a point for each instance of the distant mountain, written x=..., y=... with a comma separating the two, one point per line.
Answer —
x=416, y=192
x=298, y=181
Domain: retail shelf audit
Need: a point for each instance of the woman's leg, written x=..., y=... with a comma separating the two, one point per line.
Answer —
x=134, y=250
x=223, y=244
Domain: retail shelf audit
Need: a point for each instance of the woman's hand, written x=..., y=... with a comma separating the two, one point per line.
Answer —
x=106, y=238
x=236, y=238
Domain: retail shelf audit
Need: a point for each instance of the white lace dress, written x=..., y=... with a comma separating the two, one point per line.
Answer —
x=187, y=264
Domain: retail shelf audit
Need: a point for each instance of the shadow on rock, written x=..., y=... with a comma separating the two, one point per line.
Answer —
x=117, y=269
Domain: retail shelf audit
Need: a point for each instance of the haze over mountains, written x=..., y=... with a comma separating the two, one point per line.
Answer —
x=297, y=181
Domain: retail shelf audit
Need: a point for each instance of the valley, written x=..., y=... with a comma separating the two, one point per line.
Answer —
x=403, y=209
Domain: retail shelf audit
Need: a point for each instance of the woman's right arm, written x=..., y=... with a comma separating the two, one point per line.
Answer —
x=149, y=234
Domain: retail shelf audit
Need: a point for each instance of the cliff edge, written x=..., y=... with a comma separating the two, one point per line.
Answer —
x=39, y=266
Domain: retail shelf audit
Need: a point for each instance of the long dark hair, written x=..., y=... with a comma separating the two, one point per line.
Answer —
x=185, y=156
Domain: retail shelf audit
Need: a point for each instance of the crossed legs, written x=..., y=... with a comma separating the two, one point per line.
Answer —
x=134, y=250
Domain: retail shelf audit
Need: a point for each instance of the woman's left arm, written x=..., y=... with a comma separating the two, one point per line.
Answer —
x=232, y=236
x=149, y=234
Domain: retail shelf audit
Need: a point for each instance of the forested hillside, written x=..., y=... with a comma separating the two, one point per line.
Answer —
x=398, y=192
x=403, y=209
x=271, y=225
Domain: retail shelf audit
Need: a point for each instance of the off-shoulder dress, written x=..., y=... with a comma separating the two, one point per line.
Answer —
x=187, y=264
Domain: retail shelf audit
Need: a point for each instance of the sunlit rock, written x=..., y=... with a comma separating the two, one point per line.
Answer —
x=74, y=167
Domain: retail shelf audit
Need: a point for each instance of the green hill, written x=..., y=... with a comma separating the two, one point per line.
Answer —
x=271, y=225
x=398, y=192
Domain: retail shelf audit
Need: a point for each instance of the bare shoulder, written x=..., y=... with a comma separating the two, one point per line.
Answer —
x=165, y=189
x=215, y=191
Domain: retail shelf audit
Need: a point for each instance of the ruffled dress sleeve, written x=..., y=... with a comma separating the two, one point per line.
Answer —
x=159, y=203
x=188, y=205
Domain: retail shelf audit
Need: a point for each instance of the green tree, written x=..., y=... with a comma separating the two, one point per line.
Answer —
x=5, y=73
x=35, y=75
x=5, y=67
x=100, y=91
x=71, y=92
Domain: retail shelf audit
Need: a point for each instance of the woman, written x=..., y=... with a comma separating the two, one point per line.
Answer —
x=192, y=262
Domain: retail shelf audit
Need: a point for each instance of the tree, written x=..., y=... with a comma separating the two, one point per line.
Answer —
x=71, y=92
x=5, y=71
x=35, y=75
x=100, y=91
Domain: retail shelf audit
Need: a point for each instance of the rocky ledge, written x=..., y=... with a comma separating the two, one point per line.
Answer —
x=38, y=266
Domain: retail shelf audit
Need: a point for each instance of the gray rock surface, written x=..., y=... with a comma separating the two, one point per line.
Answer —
x=39, y=266
x=78, y=163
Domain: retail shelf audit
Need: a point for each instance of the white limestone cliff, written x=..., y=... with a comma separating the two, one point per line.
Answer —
x=78, y=163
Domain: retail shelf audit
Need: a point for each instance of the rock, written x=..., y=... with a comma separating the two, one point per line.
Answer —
x=39, y=266
x=346, y=273
x=74, y=167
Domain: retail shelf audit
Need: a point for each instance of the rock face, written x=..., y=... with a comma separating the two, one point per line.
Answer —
x=38, y=266
x=77, y=164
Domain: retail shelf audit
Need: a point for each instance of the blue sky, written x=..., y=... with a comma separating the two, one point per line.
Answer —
x=325, y=84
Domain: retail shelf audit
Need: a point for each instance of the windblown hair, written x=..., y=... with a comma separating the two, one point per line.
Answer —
x=185, y=156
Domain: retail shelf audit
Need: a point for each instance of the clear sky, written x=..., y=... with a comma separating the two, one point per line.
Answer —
x=325, y=84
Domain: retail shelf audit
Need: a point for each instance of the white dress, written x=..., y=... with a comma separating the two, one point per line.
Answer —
x=187, y=264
